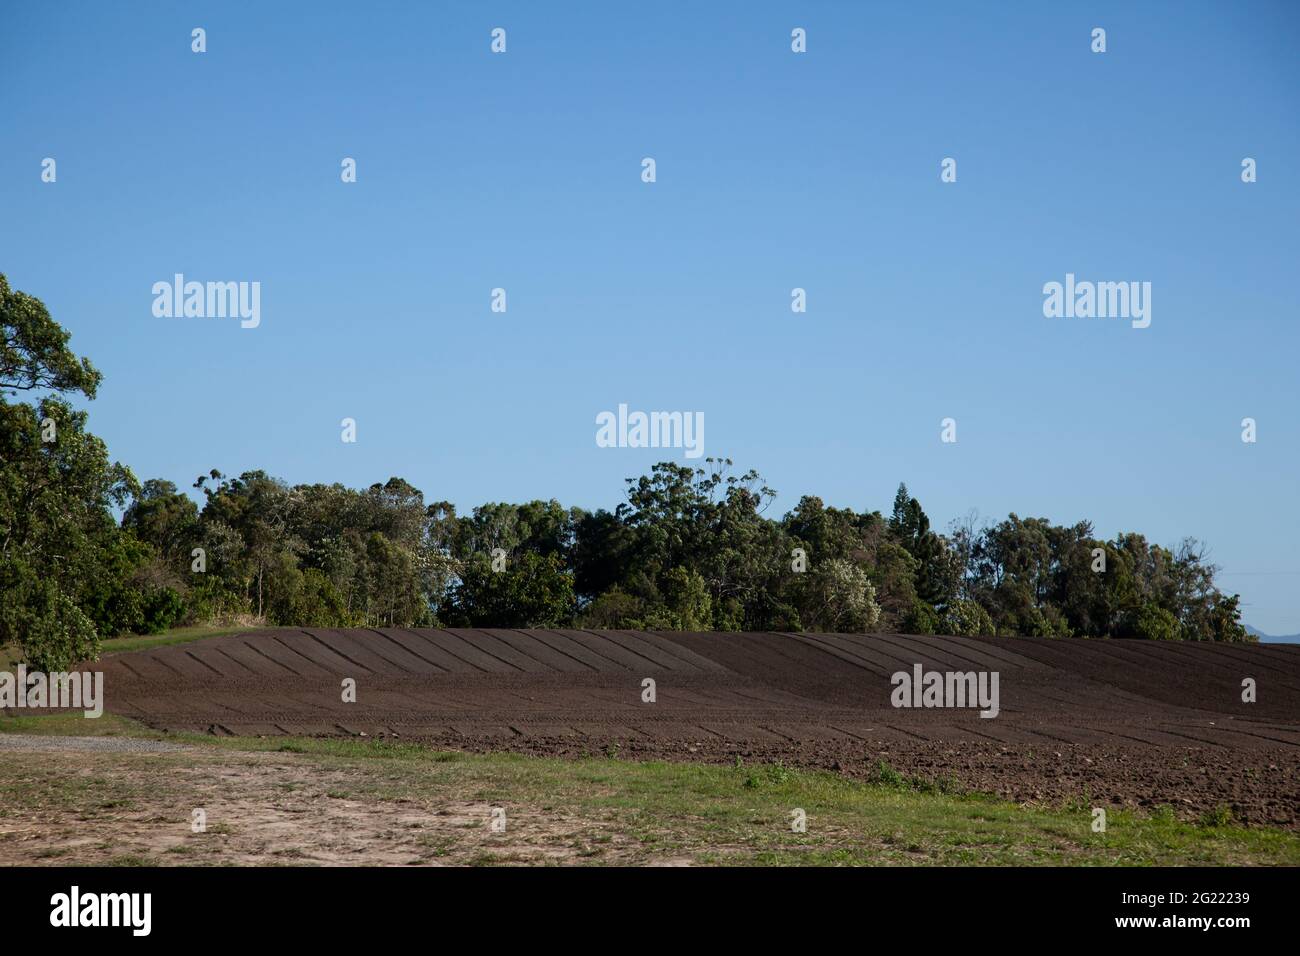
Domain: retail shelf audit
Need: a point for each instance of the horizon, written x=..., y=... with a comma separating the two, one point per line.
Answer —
x=775, y=171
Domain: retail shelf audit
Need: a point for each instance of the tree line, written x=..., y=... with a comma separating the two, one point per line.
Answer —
x=691, y=548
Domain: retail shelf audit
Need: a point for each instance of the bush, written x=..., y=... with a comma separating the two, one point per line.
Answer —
x=922, y=619
x=966, y=619
x=687, y=605
x=532, y=591
x=212, y=602
x=52, y=631
x=312, y=601
x=1154, y=623
x=613, y=610
x=1044, y=622
x=161, y=608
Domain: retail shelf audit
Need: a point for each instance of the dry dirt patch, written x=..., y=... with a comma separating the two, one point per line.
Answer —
x=113, y=801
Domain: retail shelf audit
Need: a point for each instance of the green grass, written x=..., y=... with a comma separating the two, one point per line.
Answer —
x=13, y=654
x=73, y=724
x=177, y=635
x=609, y=810
x=742, y=814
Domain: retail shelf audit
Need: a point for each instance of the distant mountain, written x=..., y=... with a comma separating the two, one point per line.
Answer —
x=1270, y=639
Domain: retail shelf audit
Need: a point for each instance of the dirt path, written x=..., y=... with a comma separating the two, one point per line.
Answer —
x=96, y=802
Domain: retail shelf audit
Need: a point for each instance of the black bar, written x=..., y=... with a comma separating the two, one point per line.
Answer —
x=483, y=906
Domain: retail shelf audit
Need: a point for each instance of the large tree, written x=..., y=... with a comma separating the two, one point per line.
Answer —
x=34, y=353
x=60, y=550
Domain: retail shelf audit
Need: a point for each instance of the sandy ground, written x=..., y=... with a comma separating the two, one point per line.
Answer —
x=115, y=801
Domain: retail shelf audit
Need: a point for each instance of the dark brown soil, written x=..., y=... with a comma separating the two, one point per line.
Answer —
x=1114, y=723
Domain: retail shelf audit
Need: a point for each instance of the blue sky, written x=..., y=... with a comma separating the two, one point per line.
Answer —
x=775, y=170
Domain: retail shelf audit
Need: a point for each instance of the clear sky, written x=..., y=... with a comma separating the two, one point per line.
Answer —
x=775, y=170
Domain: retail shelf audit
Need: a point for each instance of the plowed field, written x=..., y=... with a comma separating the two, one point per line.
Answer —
x=1110, y=722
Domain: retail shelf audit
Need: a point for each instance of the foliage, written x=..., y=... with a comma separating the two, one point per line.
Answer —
x=63, y=570
x=966, y=618
x=1154, y=623
x=691, y=548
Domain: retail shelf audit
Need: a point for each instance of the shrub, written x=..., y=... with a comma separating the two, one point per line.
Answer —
x=922, y=619
x=966, y=618
x=1154, y=623
x=161, y=608
x=53, y=632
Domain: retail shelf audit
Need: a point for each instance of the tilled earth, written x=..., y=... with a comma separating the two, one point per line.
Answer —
x=1114, y=723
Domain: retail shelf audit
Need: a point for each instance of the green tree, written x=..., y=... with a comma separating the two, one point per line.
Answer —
x=57, y=492
x=837, y=595
x=686, y=603
x=532, y=591
x=34, y=353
